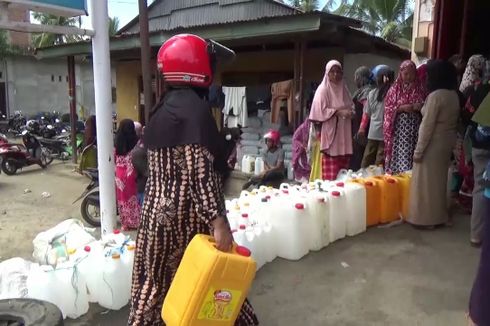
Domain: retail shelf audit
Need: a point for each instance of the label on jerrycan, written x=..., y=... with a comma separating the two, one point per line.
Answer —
x=220, y=304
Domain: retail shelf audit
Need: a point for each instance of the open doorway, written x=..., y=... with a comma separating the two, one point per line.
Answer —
x=3, y=99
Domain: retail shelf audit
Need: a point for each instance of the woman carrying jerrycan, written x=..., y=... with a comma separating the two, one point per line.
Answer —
x=184, y=194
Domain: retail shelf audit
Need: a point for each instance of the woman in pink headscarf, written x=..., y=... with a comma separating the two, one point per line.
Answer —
x=331, y=112
x=402, y=118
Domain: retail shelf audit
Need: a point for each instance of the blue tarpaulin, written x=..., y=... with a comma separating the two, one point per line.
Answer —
x=68, y=7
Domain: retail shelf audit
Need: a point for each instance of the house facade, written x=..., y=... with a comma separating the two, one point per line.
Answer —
x=443, y=28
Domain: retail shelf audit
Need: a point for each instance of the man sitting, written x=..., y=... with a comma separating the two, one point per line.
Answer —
x=273, y=158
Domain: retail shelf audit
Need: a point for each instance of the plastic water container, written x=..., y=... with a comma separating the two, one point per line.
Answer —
x=116, y=239
x=210, y=286
x=270, y=245
x=318, y=229
x=41, y=282
x=390, y=199
x=72, y=288
x=63, y=286
x=127, y=259
x=338, y=213
x=112, y=291
x=256, y=244
x=90, y=269
x=373, y=200
x=259, y=165
x=404, y=181
x=356, y=206
x=291, y=226
x=248, y=163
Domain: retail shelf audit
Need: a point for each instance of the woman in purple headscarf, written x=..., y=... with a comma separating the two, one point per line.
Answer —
x=301, y=166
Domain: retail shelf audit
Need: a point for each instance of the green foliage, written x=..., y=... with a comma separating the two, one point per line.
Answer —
x=390, y=19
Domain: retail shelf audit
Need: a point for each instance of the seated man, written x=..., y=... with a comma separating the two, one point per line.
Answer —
x=273, y=158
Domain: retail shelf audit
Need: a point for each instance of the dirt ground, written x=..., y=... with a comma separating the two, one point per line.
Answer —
x=398, y=276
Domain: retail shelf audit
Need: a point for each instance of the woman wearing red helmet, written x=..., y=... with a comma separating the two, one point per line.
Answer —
x=273, y=158
x=186, y=163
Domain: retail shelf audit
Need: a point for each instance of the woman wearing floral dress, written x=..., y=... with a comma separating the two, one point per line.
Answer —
x=402, y=118
x=126, y=190
x=184, y=192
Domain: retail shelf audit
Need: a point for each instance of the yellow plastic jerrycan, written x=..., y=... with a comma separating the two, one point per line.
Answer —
x=373, y=200
x=390, y=198
x=404, y=180
x=210, y=286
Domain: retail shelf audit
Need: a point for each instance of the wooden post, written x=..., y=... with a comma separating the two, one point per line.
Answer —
x=73, y=106
x=301, y=99
x=296, y=83
x=145, y=57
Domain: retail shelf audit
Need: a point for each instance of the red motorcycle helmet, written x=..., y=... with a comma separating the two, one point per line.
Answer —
x=273, y=135
x=189, y=60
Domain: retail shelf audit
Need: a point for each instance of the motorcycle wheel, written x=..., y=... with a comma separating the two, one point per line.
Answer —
x=46, y=157
x=9, y=166
x=90, y=212
x=29, y=312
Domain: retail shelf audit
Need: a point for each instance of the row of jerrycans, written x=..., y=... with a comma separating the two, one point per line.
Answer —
x=387, y=198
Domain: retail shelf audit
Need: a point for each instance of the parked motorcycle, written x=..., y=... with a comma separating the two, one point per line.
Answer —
x=16, y=156
x=17, y=124
x=56, y=148
x=90, y=207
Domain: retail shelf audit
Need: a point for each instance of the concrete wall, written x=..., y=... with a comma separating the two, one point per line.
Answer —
x=41, y=85
x=423, y=26
x=127, y=92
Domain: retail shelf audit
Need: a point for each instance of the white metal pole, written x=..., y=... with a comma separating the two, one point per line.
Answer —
x=103, y=112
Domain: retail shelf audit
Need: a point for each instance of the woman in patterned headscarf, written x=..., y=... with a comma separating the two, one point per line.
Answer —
x=402, y=118
x=473, y=72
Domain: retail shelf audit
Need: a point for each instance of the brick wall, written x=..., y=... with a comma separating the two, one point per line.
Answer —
x=19, y=39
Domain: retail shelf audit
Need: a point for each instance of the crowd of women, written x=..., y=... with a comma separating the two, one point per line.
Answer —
x=407, y=123
x=433, y=120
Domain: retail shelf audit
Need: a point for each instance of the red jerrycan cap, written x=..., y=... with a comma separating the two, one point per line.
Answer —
x=242, y=227
x=340, y=184
x=117, y=231
x=299, y=206
x=336, y=193
x=87, y=248
x=245, y=215
x=243, y=251
x=285, y=191
x=369, y=183
x=391, y=180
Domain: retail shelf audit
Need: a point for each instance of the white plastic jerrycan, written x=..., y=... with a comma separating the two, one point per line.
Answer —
x=259, y=165
x=290, y=225
x=90, y=268
x=337, y=214
x=356, y=206
x=112, y=290
x=127, y=259
x=72, y=287
x=318, y=230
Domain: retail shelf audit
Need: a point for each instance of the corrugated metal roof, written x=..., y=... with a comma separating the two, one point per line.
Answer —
x=169, y=15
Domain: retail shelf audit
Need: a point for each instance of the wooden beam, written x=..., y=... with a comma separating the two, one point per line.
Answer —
x=38, y=28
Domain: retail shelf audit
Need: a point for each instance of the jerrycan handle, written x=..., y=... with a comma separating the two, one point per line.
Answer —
x=236, y=249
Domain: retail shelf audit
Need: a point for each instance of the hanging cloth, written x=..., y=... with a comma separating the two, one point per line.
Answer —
x=235, y=109
x=282, y=91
